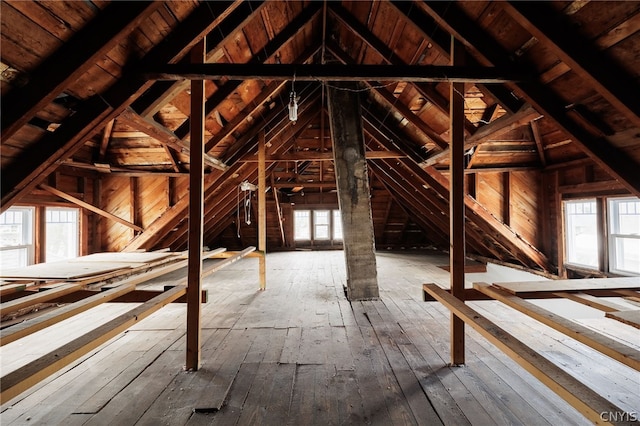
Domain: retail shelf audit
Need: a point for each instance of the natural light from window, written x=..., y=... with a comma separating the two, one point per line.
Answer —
x=301, y=225
x=16, y=237
x=62, y=233
x=581, y=233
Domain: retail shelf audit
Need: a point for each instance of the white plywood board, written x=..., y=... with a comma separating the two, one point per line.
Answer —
x=571, y=285
x=63, y=270
x=125, y=257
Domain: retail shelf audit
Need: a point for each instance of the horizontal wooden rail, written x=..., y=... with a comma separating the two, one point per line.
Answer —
x=235, y=256
x=603, y=344
x=40, y=297
x=18, y=381
x=581, y=397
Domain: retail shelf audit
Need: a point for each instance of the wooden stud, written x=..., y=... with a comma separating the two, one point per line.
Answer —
x=456, y=204
x=196, y=207
x=262, y=209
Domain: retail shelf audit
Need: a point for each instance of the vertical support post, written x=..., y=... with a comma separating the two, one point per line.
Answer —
x=352, y=180
x=196, y=202
x=262, y=210
x=456, y=204
x=40, y=235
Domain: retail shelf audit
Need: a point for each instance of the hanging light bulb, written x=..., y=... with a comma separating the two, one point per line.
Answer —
x=293, y=107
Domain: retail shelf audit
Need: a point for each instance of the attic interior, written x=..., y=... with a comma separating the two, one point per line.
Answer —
x=100, y=102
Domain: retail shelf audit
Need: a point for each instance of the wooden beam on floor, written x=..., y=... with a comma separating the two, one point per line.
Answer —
x=90, y=207
x=262, y=208
x=276, y=198
x=584, y=399
x=457, y=251
x=352, y=180
x=610, y=347
x=18, y=381
x=196, y=208
x=39, y=297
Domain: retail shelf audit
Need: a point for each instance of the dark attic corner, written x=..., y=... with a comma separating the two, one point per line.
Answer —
x=319, y=212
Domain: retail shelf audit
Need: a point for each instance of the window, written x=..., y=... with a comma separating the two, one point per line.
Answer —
x=321, y=224
x=62, y=233
x=581, y=224
x=624, y=235
x=301, y=225
x=337, y=225
x=16, y=237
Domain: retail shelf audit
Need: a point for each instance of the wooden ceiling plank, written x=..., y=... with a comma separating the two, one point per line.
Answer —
x=296, y=26
x=613, y=160
x=614, y=84
x=216, y=39
x=505, y=232
x=440, y=41
x=72, y=60
x=44, y=157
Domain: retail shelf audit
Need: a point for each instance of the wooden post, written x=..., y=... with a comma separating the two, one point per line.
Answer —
x=456, y=204
x=352, y=180
x=262, y=210
x=196, y=208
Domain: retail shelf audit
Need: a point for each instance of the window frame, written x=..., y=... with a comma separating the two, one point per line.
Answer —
x=613, y=226
x=28, y=232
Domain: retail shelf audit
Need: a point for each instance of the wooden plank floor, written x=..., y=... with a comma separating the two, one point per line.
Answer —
x=300, y=353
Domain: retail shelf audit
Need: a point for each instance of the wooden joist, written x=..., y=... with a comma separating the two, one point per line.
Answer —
x=595, y=340
x=588, y=402
x=17, y=381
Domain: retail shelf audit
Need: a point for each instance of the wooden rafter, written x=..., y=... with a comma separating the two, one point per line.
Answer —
x=440, y=40
x=72, y=60
x=281, y=39
x=601, y=151
x=227, y=30
x=585, y=59
x=43, y=157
